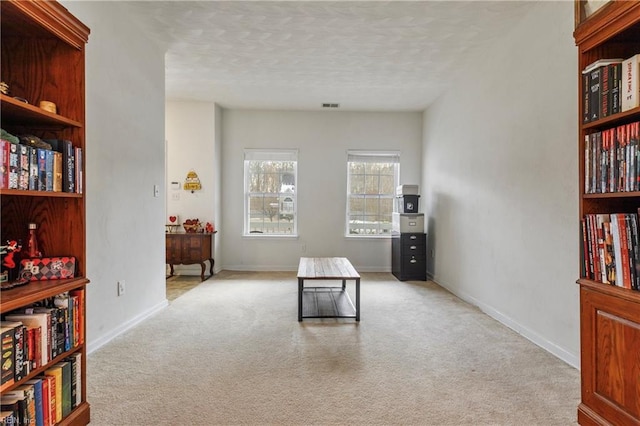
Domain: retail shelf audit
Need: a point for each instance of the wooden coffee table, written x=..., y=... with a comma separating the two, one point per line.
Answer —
x=327, y=301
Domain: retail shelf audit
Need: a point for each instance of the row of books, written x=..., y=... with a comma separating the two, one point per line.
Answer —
x=612, y=160
x=34, y=336
x=47, y=398
x=610, y=86
x=611, y=249
x=39, y=169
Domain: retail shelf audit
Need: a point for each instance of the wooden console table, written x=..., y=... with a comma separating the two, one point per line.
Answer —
x=188, y=249
x=327, y=302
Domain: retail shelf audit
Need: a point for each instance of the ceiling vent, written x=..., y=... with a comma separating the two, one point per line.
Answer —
x=330, y=105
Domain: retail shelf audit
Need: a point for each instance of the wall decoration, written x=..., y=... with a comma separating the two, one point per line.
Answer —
x=192, y=182
x=173, y=224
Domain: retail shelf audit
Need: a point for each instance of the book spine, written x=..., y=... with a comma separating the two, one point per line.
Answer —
x=42, y=169
x=23, y=177
x=49, y=169
x=630, y=83
x=4, y=163
x=33, y=168
x=631, y=263
x=78, y=170
x=594, y=94
x=7, y=342
x=617, y=247
x=586, y=101
x=605, y=91
x=598, y=248
x=14, y=166
x=616, y=76
x=68, y=181
x=609, y=250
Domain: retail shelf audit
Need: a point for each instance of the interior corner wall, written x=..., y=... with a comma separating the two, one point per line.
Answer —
x=322, y=139
x=124, y=159
x=501, y=181
x=191, y=133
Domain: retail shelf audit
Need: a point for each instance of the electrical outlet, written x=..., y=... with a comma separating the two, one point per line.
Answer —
x=120, y=288
x=156, y=191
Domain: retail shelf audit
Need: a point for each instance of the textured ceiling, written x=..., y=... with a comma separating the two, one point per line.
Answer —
x=364, y=55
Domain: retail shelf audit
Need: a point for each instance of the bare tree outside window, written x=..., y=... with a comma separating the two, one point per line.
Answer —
x=270, y=192
x=372, y=180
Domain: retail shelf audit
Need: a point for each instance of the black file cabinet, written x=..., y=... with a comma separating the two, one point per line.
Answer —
x=409, y=256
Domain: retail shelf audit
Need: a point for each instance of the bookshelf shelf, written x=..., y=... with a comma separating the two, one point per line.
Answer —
x=609, y=314
x=43, y=57
x=30, y=115
x=613, y=120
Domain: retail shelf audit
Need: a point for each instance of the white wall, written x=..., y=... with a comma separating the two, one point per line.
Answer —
x=322, y=139
x=124, y=160
x=500, y=162
x=191, y=145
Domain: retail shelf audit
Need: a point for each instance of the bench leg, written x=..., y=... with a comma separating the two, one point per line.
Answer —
x=300, y=289
x=357, y=299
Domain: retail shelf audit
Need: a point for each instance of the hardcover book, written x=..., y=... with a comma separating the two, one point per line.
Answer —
x=42, y=169
x=33, y=168
x=14, y=166
x=57, y=171
x=19, y=365
x=23, y=175
x=7, y=377
x=56, y=372
x=4, y=163
x=595, y=91
x=49, y=170
x=630, y=83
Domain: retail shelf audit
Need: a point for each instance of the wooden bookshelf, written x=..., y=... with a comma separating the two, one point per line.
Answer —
x=43, y=58
x=609, y=315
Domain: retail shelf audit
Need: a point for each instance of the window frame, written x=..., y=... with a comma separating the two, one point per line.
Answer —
x=267, y=154
x=371, y=156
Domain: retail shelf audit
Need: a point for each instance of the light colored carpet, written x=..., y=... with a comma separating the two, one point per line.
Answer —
x=231, y=352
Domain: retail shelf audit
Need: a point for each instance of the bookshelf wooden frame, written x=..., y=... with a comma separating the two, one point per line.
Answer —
x=43, y=58
x=609, y=315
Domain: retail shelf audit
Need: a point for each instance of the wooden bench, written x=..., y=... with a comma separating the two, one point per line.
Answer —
x=327, y=302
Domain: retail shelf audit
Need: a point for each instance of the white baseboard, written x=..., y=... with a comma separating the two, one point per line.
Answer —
x=276, y=268
x=103, y=340
x=571, y=359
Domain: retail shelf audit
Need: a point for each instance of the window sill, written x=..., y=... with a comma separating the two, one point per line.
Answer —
x=368, y=237
x=259, y=236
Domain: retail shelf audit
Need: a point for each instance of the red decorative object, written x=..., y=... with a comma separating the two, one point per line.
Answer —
x=192, y=226
x=32, y=243
x=48, y=268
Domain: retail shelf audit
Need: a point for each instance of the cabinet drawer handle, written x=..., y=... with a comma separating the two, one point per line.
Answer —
x=413, y=261
x=413, y=247
x=413, y=237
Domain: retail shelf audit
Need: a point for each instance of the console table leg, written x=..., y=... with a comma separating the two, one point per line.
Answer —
x=211, y=262
x=171, y=269
x=202, y=268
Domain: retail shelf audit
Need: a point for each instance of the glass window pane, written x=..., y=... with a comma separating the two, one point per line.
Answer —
x=371, y=196
x=357, y=184
x=271, y=186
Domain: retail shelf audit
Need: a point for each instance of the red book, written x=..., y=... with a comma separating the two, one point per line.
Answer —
x=624, y=250
x=78, y=317
x=4, y=163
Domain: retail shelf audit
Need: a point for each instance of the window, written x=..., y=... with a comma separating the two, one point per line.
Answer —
x=372, y=178
x=270, y=197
